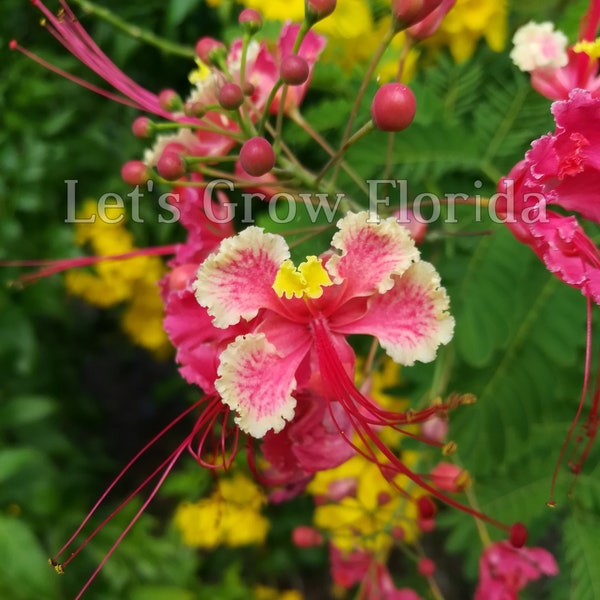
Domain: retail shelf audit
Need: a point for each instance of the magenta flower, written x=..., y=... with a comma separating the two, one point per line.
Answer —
x=300, y=317
x=562, y=169
x=555, y=71
x=504, y=570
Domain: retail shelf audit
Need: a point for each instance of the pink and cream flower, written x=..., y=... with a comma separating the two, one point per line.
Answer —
x=374, y=283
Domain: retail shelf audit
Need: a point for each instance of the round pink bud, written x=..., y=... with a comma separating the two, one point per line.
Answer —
x=426, y=525
x=194, y=109
x=315, y=10
x=426, y=567
x=257, y=156
x=398, y=533
x=383, y=498
x=180, y=276
x=435, y=429
x=250, y=20
x=169, y=100
x=294, y=69
x=135, y=172
x=306, y=537
x=518, y=535
x=408, y=12
x=231, y=96
x=171, y=165
x=208, y=49
x=393, y=107
x=141, y=127
x=450, y=478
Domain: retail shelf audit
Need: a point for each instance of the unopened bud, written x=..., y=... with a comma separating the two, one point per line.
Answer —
x=429, y=25
x=135, y=172
x=250, y=20
x=409, y=12
x=306, y=537
x=209, y=50
x=316, y=10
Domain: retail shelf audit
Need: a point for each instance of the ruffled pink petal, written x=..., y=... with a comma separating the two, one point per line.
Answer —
x=257, y=382
x=197, y=341
x=371, y=253
x=411, y=320
x=236, y=281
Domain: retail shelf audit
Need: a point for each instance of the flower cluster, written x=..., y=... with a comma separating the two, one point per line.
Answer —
x=295, y=333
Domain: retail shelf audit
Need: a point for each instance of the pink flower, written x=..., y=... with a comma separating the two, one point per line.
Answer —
x=562, y=169
x=504, y=570
x=264, y=71
x=554, y=73
x=299, y=318
x=310, y=443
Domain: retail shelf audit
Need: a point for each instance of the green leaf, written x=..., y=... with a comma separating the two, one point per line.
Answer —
x=24, y=573
x=14, y=460
x=179, y=10
x=24, y=410
x=487, y=297
x=581, y=535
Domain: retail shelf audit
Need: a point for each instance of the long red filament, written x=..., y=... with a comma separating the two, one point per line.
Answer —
x=346, y=393
x=586, y=377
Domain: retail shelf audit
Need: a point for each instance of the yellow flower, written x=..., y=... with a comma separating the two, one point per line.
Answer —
x=365, y=519
x=115, y=281
x=467, y=23
x=262, y=592
x=230, y=516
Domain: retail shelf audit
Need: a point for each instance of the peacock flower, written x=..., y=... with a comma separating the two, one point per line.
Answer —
x=504, y=571
x=556, y=70
x=563, y=169
x=300, y=316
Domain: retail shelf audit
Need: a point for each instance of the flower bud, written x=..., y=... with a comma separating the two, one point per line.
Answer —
x=429, y=25
x=306, y=537
x=393, y=107
x=257, y=156
x=316, y=10
x=450, y=478
x=408, y=12
x=250, y=20
x=294, y=69
x=426, y=567
x=142, y=127
x=518, y=535
x=171, y=165
x=208, y=50
x=231, y=96
x=135, y=172
x=170, y=100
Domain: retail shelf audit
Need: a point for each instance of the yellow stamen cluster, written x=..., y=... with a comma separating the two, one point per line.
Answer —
x=308, y=279
x=592, y=49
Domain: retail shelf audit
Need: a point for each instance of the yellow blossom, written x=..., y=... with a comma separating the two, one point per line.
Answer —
x=262, y=592
x=230, y=516
x=112, y=282
x=469, y=21
x=365, y=519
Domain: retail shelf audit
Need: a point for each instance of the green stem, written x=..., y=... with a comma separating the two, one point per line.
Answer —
x=366, y=128
x=134, y=31
x=385, y=42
